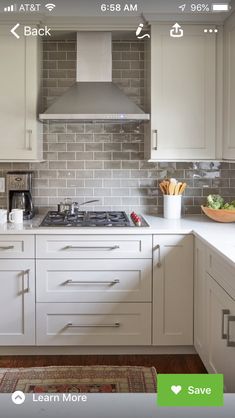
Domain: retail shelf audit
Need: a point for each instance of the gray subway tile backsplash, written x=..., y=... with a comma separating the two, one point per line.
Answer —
x=105, y=160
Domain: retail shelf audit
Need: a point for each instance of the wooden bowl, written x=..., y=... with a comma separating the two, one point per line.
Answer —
x=219, y=215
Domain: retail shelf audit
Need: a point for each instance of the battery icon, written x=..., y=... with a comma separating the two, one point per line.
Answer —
x=220, y=7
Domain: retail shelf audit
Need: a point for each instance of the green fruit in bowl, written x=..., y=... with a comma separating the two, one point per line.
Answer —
x=230, y=207
x=215, y=201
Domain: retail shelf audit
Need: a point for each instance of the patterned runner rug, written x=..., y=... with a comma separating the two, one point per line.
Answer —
x=79, y=379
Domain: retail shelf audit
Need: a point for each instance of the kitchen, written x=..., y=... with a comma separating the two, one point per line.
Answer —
x=113, y=277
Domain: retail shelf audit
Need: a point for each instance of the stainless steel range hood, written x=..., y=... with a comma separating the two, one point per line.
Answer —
x=94, y=96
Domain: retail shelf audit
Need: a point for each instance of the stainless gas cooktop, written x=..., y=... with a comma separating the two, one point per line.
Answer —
x=91, y=219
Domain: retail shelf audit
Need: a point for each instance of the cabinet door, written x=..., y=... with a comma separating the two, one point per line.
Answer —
x=19, y=130
x=199, y=298
x=221, y=357
x=182, y=94
x=17, y=302
x=229, y=99
x=173, y=290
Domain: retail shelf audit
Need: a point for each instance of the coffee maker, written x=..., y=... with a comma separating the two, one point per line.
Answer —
x=19, y=192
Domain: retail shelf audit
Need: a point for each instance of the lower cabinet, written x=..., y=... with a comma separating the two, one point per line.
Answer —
x=93, y=324
x=214, y=313
x=17, y=302
x=94, y=302
x=200, y=298
x=94, y=290
x=220, y=324
x=172, y=290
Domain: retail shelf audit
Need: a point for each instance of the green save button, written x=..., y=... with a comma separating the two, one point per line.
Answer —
x=190, y=390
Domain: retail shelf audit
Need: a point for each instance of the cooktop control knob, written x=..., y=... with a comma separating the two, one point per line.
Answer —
x=136, y=219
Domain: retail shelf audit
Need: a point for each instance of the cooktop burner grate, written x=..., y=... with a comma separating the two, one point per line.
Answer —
x=88, y=219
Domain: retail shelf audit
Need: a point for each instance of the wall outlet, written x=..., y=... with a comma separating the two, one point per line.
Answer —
x=2, y=185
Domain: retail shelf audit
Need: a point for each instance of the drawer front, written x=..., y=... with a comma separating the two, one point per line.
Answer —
x=94, y=280
x=221, y=271
x=94, y=324
x=94, y=246
x=16, y=246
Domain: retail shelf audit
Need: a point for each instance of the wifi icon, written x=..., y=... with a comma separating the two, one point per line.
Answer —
x=50, y=6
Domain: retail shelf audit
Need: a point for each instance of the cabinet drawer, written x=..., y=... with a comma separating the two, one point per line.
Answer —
x=16, y=246
x=94, y=246
x=93, y=324
x=221, y=271
x=94, y=280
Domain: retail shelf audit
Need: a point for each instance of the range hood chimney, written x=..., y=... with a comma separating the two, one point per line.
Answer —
x=94, y=96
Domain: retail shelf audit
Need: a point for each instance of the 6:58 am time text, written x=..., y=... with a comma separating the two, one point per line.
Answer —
x=117, y=7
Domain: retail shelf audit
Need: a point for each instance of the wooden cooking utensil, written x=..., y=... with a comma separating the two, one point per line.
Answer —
x=183, y=187
x=166, y=184
x=171, y=188
x=177, y=188
x=162, y=188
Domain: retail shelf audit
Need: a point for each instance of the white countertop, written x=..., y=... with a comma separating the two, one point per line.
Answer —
x=219, y=236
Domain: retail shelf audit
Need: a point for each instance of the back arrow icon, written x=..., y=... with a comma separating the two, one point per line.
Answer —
x=14, y=29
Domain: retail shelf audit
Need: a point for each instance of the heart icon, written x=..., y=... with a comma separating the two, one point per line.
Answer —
x=176, y=389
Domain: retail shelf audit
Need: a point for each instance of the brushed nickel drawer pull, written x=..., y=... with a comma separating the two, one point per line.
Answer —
x=224, y=312
x=113, y=282
x=159, y=264
x=71, y=325
x=9, y=247
x=71, y=247
x=155, y=139
x=26, y=273
x=229, y=342
x=28, y=145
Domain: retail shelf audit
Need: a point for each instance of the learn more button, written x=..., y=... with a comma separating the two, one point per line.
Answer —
x=190, y=390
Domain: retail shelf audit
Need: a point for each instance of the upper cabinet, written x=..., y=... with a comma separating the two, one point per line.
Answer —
x=229, y=89
x=20, y=136
x=183, y=94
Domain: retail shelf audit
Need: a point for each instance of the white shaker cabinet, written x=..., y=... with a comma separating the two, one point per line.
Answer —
x=173, y=290
x=20, y=132
x=94, y=290
x=182, y=97
x=229, y=91
x=220, y=332
x=200, y=298
x=214, y=312
x=17, y=302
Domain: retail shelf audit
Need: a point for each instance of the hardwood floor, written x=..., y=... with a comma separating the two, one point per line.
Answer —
x=189, y=363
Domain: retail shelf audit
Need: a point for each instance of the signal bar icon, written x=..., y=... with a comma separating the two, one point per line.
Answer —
x=11, y=8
